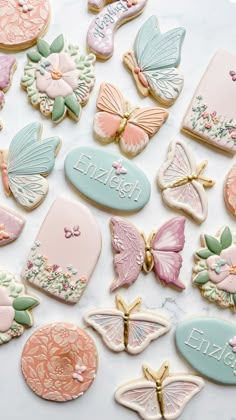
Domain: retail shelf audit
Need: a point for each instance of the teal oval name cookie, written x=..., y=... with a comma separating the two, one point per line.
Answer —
x=209, y=345
x=107, y=179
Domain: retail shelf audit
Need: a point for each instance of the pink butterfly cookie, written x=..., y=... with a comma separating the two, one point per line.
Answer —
x=117, y=121
x=7, y=68
x=160, y=252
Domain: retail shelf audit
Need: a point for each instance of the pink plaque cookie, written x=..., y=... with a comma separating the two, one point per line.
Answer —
x=230, y=190
x=59, y=362
x=11, y=225
x=211, y=116
x=22, y=22
x=65, y=251
x=100, y=37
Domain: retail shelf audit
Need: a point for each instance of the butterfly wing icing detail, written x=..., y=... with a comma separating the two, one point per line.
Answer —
x=166, y=245
x=28, y=159
x=141, y=396
x=143, y=328
x=190, y=197
x=109, y=323
x=129, y=247
x=7, y=68
x=177, y=392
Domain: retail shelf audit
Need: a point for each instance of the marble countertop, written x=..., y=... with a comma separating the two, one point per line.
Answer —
x=210, y=25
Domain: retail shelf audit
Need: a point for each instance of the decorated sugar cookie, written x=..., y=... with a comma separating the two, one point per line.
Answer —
x=230, y=190
x=211, y=116
x=59, y=362
x=160, y=252
x=182, y=182
x=127, y=327
x=215, y=269
x=7, y=68
x=107, y=180
x=159, y=394
x=15, y=307
x=209, y=345
x=26, y=164
x=65, y=252
x=155, y=60
x=118, y=121
x=11, y=225
x=58, y=79
x=100, y=37
x=22, y=22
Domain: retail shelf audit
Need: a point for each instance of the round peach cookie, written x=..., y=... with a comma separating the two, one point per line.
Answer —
x=59, y=362
x=22, y=22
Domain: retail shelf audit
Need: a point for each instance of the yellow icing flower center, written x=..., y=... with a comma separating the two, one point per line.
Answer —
x=232, y=269
x=56, y=75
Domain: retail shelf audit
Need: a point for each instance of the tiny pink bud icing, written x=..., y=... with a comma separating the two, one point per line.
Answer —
x=59, y=362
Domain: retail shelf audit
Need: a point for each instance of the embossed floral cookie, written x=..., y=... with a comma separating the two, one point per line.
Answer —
x=15, y=308
x=59, y=362
x=215, y=269
x=22, y=22
x=58, y=79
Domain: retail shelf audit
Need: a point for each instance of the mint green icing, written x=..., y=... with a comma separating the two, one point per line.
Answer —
x=34, y=56
x=213, y=244
x=226, y=238
x=24, y=302
x=204, y=343
x=73, y=105
x=23, y=318
x=90, y=170
x=58, y=108
x=57, y=45
x=204, y=253
x=43, y=47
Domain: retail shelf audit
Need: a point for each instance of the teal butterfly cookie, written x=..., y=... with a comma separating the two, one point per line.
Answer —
x=26, y=164
x=155, y=60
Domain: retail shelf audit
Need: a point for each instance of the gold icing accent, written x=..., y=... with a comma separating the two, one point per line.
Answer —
x=148, y=259
x=127, y=310
x=206, y=182
x=232, y=269
x=158, y=377
x=123, y=124
x=56, y=75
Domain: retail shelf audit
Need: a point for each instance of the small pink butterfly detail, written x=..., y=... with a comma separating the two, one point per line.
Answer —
x=233, y=75
x=26, y=7
x=131, y=2
x=232, y=342
x=78, y=373
x=3, y=234
x=75, y=231
x=119, y=167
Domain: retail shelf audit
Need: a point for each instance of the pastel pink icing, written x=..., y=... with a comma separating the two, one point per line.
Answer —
x=6, y=310
x=226, y=277
x=11, y=225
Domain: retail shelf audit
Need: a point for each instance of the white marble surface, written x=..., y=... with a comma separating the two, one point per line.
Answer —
x=209, y=25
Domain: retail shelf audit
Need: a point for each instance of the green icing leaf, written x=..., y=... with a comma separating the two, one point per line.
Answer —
x=43, y=47
x=204, y=253
x=226, y=238
x=23, y=318
x=57, y=45
x=213, y=244
x=202, y=277
x=58, y=108
x=24, y=302
x=34, y=56
x=234, y=299
x=72, y=105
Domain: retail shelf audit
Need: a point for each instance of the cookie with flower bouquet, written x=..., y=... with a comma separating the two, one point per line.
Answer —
x=214, y=271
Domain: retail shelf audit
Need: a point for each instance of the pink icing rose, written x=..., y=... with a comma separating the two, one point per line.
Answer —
x=60, y=77
x=7, y=312
x=208, y=125
x=233, y=135
x=222, y=269
x=205, y=115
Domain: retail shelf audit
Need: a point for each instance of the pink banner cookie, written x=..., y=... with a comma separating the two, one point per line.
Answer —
x=230, y=190
x=59, y=362
x=65, y=252
x=100, y=37
x=11, y=225
x=22, y=22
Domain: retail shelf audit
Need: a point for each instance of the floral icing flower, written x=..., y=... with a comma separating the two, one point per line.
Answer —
x=222, y=269
x=79, y=369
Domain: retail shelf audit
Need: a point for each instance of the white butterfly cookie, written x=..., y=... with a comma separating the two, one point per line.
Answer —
x=159, y=394
x=182, y=183
x=127, y=327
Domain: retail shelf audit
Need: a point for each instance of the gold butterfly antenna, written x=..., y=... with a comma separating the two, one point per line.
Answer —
x=128, y=309
x=158, y=377
x=206, y=182
x=148, y=260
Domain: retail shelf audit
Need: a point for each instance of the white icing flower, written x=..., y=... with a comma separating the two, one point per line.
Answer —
x=59, y=78
x=78, y=372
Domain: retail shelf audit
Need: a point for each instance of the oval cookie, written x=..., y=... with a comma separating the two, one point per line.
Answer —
x=59, y=362
x=65, y=252
x=107, y=180
x=22, y=22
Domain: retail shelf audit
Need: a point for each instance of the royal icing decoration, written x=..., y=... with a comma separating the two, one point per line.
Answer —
x=11, y=225
x=7, y=68
x=92, y=172
x=100, y=37
x=215, y=269
x=61, y=260
x=15, y=308
x=230, y=190
x=211, y=116
x=26, y=163
x=58, y=79
x=127, y=327
x=22, y=22
x=160, y=252
x=182, y=182
x=208, y=344
x=159, y=394
x=59, y=362
x=155, y=60
x=117, y=121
